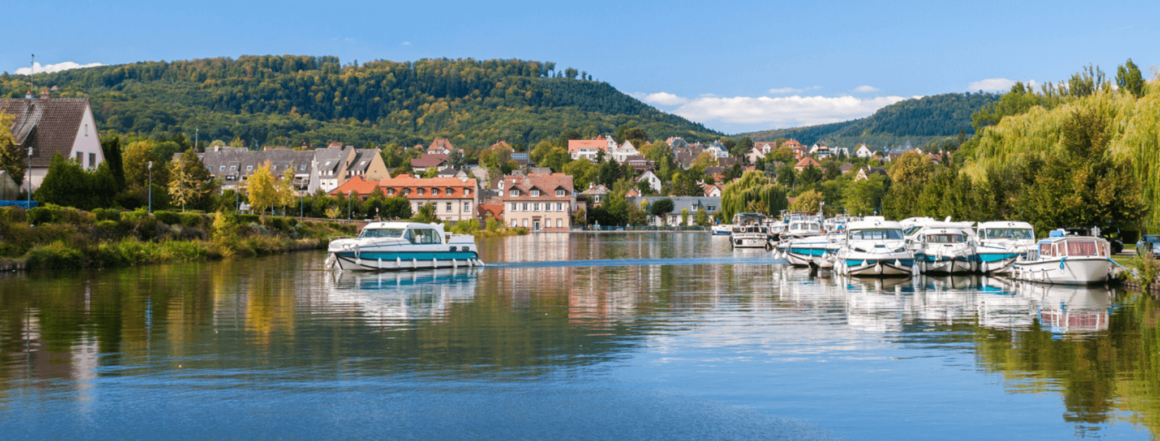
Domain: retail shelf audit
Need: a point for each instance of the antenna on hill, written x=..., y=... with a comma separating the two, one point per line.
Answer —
x=31, y=71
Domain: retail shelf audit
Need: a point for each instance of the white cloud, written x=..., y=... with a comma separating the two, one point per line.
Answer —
x=660, y=98
x=54, y=67
x=782, y=112
x=784, y=90
x=406, y=43
x=991, y=85
x=865, y=89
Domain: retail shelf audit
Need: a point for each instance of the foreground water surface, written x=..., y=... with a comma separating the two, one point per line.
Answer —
x=611, y=336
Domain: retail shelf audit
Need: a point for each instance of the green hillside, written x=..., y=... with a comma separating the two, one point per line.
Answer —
x=920, y=120
x=281, y=100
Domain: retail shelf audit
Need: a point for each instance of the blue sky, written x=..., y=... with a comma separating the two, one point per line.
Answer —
x=735, y=67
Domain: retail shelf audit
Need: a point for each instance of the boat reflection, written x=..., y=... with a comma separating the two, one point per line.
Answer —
x=395, y=299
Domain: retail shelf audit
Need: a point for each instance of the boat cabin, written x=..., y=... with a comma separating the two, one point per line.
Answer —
x=416, y=233
x=1006, y=231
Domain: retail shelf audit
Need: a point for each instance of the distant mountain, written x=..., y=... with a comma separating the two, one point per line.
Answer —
x=918, y=120
x=282, y=100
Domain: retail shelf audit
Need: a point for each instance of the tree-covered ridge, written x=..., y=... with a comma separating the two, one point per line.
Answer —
x=284, y=99
x=920, y=119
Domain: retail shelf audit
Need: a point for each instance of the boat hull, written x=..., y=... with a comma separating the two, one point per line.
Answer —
x=402, y=260
x=750, y=241
x=945, y=264
x=1064, y=271
x=876, y=268
x=996, y=263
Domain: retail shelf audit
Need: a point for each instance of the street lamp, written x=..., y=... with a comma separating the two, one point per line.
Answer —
x=348, y=195
x=29, y=206
x=150, y=187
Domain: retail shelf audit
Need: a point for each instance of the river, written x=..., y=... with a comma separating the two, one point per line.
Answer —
x=584, y=336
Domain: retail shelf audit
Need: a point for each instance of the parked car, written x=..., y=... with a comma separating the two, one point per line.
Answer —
x=1149, y=243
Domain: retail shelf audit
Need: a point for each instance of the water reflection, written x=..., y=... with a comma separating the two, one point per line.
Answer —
x=266, y=323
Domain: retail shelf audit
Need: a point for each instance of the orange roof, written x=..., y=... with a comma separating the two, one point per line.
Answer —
x=808, y=161
x=576, y=144
x=792, y=144
x=496, y=210
x=356, y=184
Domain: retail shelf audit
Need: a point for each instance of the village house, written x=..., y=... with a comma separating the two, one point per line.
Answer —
x=846, y=168
x=595, y=194
x=654, y=182
x=640, y=164
x=421, y=164
x=590, y=148
x=676, y=142
x=686, y=156
x=454, y=199
x=865, y=173
x=796, y=147
x=863, y=152
x=806, y=162
x=718, y=149
x=440, y=146
x=51, y=126
x=689, y=204
x=622, y=152
x=712, y=191
x=759, y=150
x=539, y=202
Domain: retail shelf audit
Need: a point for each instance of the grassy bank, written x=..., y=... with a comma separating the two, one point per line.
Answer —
x=53, y=237
x=494, y=229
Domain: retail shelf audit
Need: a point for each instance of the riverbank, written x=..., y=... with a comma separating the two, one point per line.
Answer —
x=53, y=237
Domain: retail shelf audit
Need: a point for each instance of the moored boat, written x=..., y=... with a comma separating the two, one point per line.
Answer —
x=874, y=247
x=1067, y=260
x=1000, y=243
x=384, y=246
x=945, y=247
x=749, y=231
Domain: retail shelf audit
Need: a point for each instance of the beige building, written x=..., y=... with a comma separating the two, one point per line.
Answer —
x=539, y=202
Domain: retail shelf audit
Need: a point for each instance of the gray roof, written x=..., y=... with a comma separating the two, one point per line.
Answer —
x=683, y=202
x=48, y=125
x=329, y=159
x=237, y=162
x=362, y=160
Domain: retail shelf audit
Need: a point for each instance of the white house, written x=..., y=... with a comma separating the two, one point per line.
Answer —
x=53, y=126
x=759, y=150
x=653, y=181
x=621, y=153
x=718, y=149
x=863, y=151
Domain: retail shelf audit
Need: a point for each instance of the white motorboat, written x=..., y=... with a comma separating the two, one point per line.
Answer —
x=721, y=229
x=874, y=247
x=944, y=247
x=749, y=231
x=384, y=246
x=1000, y=243
x=821, y=251
x=1066, y=260
x=799, y=228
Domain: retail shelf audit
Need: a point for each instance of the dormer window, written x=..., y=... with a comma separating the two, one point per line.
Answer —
x=434, y=192
x=390, y=192
x=450, y=191
x=559, y=193
x=233, y=167
x=406, y=192
x=273, y=167
x=249, y=167
x=514, y=193
x=420, y=190
x=535, y=193
x=222, y=168
x=467, y=192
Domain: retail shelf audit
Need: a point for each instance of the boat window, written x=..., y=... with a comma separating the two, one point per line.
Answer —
x=382, y=232
x=1009, y=233
x=876, y=234
x=1045, y=250
x=424, y=236
x=1083, y=248
x=945, y=238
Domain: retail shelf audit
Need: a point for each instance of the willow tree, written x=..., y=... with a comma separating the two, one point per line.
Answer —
x=754, y=193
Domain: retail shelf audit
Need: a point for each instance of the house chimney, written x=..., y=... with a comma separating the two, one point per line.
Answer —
x=44, y=94
x=28, y=95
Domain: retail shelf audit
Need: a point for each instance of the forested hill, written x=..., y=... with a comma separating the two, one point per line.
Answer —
x=282, y=100
x=920, y=120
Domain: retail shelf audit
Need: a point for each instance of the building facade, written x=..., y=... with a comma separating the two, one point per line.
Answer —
x=51, y=126
x=539, y=202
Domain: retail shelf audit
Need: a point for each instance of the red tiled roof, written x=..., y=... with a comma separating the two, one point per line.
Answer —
x=599, y=143
x=428, y=160
x=356, y=184
x=495, y=210
x=806, y=162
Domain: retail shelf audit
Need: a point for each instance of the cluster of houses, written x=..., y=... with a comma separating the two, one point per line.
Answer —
x=529, y=197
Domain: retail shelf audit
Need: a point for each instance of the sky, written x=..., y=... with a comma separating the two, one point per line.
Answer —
x=734, y=67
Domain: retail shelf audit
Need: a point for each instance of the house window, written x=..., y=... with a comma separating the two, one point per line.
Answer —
x=467, y=192
x=80, y=158
x=233, y=167
x=406, y=191
x=249, y=167
x=535, y=193
x=559, y=223
x=525, y=223
x=86, y=130
x=420, y=190
x=92, y=159
x=524, y=207
x=302, y=168
x=514, y=223
x=390, y=192
x=222, y=168
x=273, y=167
x=514, y=193
x=559, y=193
x=448, y=207
x=467, y=207
x=449, y=191
x=434, y=192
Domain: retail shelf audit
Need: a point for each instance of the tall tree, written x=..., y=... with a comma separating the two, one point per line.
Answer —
x=262, y=193
x=13, y=159
x=1129, y=78
x=111, y=148
x=189, y=179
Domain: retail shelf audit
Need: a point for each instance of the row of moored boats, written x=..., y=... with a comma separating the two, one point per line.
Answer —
x=874, y=246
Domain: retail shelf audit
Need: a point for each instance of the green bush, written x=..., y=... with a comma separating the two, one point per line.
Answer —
x=276, y=223
x=13, y=215
x=107, y=214
x=167, y=217
x=192, y=220
x=246, y=219
x=54, y=256
x=43, y=215
x=135, y=215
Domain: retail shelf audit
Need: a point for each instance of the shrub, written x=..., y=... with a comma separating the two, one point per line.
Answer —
x=13, y=215
x=43, y=215
x=192, y=220
x=276, y=223
x=54, y=256
x=167, y=217
x=107, y=214
x=246, y=219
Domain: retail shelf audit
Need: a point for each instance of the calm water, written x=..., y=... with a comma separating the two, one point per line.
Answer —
x=577, y=337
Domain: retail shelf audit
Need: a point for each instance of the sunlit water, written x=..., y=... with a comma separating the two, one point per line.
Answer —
x=613, y=336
